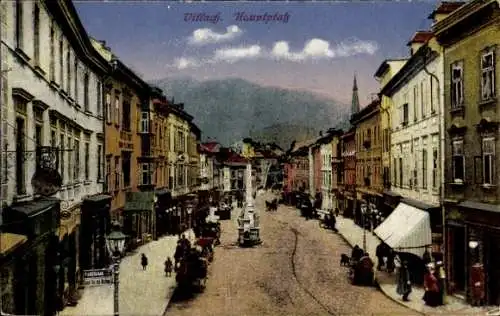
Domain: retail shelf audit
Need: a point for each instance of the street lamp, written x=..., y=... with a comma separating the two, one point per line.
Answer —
x=115, y=243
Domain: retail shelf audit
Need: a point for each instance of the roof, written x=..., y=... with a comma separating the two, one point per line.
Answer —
x=421, y=37
x=446, y=7
x=385, y=65
x=367, y=110
x=98, y=198
x=9, y=241
x=34, y=207
x=210, y=147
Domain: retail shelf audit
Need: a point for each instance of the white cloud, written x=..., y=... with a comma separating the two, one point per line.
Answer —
x=207, y=36
x=235, y=54
x=313, y=49
x=318, y=48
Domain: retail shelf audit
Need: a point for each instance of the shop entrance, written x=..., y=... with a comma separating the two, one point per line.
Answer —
x=494, y=271
x=458, y=259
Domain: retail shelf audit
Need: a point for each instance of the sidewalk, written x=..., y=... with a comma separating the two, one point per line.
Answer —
x=141, y=292
x=353, y=234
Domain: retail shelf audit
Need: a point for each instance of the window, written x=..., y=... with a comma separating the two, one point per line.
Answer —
x=401, y=178
x=117, y=109
x=405, y=114
x=108, y=173
x=61, y=61
x=86, y=92
x=126, y=169
x=415, y=102
x=489, y=160
x=126, y=116
x=422, y=102
x=458, y=161
x=76, y=80
x=87, y=161
x=99, y=99
x=19, y=23
x=424, y=168
x=36, y=31
x=52, y=70
x=71, y=170
x=117, y=172
x=108, y=108
x=77, y=160
x=488, y=75
x=38, y=130
x=61, y=145
x=415, y=171
x=145, y=122
x=394, y=172
x=457, y=86
x=431, y=93
x=20, y=152
x=146, y=174
x=68, y=70
x=434, y=168
x=99, y=162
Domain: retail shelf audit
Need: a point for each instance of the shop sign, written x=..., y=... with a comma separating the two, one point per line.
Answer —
x=97, y=276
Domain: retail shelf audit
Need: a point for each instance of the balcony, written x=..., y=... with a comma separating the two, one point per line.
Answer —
x=125, y=141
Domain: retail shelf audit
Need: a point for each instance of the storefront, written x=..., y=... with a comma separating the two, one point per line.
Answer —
x=139, y=219
x=36, y=268
x=473, y=244
x=95, y=223
x=164, y=202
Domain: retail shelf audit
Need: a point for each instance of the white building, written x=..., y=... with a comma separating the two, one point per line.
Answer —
x=326, y=172
x=51, y=102
x=51, y=97
x=208, y=165
x=416, y=126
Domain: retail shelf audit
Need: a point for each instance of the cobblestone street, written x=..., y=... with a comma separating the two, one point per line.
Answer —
x=295, y=271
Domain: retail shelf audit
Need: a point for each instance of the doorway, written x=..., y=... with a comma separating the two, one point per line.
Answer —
x=493, y=273
x=458, y=259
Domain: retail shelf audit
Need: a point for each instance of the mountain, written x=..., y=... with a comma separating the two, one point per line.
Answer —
x=231, y=109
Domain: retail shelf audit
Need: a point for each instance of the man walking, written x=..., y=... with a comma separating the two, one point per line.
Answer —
x=144, y=261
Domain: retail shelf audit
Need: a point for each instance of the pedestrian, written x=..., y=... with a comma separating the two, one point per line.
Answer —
x=168, y=267
x=337, y=211
x=144, y=261
x=391, y=255
x=404, y=283
x=440, y=277
x=426, y=257
x=431, y=287
x=379, y=252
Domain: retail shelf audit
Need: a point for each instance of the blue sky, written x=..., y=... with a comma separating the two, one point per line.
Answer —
x=319, y=48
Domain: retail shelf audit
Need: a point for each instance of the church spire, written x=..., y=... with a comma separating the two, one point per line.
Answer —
x=355, y=97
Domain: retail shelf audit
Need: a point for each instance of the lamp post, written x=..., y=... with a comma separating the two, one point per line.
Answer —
x=115, y=242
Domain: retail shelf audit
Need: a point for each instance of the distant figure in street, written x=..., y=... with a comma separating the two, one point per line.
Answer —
x=144, y=261
x=390, y=261
x=356, y=253
x=168, y=267
x=379, y=252
x=404, y=283
x=337, y=211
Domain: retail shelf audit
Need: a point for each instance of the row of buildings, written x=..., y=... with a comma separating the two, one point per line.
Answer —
x=426, y=151
x=86, y=142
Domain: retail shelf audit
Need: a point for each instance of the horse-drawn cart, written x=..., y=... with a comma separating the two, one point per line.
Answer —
x=192, y=271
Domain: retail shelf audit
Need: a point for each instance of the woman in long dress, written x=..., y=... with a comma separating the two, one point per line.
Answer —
x=404, y=283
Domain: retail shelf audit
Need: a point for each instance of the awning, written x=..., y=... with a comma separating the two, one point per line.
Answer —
x=407, y=229
x=139, y=202
x=9, y=242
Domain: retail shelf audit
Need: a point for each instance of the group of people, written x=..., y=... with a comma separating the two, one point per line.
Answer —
x=383, y=251
x=361, y=267
x=434, y=284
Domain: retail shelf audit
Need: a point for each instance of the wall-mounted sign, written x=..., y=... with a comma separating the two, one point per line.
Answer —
x=97, y=276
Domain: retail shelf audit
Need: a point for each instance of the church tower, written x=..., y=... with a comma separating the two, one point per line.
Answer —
x=355, y=97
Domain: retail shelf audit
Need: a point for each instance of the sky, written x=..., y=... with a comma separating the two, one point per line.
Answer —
x=308, y=46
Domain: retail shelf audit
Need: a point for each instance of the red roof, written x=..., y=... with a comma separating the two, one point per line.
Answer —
x=446, y=7
x=234, y=158
x=421, y=37
x=211, y=147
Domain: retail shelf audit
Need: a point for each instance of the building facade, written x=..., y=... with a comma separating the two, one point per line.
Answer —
x=53, y=125
x=470, y=37
x=369, y=186
x=326, y=174
x=416, y=133
x=347, y=190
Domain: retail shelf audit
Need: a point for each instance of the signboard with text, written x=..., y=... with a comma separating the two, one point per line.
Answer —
x=97, y=276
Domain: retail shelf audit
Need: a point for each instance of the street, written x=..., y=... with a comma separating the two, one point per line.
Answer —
x=295, y=271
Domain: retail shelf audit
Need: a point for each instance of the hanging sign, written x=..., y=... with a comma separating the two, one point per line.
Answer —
x=46, y=181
